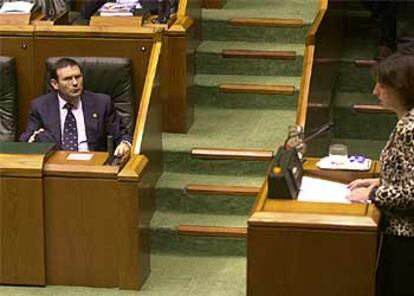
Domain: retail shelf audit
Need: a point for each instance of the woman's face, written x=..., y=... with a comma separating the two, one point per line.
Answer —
x=388, y=96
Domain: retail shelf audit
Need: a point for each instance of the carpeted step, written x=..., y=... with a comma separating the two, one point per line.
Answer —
x=244, y=20
x=227, y=128
x=355, y=76
x=165, y=238
x=173, y=193
x=225, y=31
x=185, y=275
x=361, y=125
x=211, y=91
x=252, y=58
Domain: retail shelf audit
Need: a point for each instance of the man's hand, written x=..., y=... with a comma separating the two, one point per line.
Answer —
x=34, y=135
x=123, y=150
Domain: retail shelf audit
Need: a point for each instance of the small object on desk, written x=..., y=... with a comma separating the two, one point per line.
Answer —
x=113, y=160
x=338, y=153
x=79, y=156
x=353, y=163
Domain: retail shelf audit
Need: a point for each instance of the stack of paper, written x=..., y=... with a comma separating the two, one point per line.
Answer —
x=120, y=8
x=318, y=190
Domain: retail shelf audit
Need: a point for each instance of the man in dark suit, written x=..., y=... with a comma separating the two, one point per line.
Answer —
x=72, y=118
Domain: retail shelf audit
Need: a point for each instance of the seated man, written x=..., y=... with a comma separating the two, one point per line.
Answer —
x=72, y=118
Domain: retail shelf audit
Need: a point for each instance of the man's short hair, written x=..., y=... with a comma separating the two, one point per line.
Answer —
x=62, y=63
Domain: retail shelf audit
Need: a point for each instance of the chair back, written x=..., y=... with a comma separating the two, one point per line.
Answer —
x=8, y=99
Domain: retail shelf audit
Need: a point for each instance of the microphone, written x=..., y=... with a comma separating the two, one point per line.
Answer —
x=110, y=145
x=324, y=128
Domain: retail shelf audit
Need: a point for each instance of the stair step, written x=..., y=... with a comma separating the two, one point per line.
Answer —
x=259, y=54
x=240, y=154
x=222, y=190
x=366, y=108
x=212, y=231
x=258, y=88
x=368, y=63
x=267, y=22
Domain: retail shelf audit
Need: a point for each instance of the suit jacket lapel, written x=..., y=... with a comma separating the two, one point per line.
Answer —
x=54, y=117
x=90, y=115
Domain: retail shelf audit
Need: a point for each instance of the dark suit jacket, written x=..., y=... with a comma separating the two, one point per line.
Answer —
x=99, y=113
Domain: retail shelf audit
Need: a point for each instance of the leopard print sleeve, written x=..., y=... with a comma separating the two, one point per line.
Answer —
x=396, y=192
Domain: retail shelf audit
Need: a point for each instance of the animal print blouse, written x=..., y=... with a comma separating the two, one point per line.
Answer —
x=395, y=195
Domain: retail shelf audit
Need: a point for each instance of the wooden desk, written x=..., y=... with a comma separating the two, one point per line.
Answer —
x=74, y=222
x=92, y=224
x=307, y=248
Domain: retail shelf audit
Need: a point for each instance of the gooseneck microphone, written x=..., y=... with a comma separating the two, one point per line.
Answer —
x=110, y=145
x=324, y=128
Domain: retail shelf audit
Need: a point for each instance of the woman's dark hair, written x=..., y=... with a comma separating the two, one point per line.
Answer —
x=397, y=71
x=62, y=63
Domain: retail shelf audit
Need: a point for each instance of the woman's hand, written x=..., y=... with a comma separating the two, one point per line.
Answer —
x=358, y=183
x=360, y=194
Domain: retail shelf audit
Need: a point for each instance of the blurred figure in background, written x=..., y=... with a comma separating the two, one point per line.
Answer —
x=385, y=13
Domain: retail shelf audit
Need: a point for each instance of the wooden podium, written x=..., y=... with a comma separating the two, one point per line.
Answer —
x=73, y=222
x=311, y=248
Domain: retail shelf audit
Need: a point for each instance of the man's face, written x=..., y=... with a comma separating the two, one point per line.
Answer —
x=69, y=83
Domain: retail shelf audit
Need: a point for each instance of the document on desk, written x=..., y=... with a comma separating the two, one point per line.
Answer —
x=79, y=156
x=318, y=190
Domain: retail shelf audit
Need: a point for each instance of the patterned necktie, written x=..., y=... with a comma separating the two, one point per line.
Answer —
x=70, y=131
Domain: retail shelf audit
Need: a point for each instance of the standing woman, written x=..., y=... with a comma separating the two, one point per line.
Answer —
x=393, y=192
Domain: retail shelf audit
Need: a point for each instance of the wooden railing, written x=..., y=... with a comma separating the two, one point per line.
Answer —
x=308, y=65
x=146, y=98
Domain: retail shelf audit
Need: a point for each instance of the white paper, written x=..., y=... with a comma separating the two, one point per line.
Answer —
x=79, y=156
x=318, y=190
x=16, y=7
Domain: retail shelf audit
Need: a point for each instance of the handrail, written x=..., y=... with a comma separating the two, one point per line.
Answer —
x=308, y=64
x=182, y=9
x=146, y=97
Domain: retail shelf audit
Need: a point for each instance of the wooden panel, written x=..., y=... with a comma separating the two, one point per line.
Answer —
x=245, y=154
x=136, y=207
x=133, y=252
x=222, y=190
x=258, y=89
x=300, y=262
x=22, y=49
x=259, y=54
x=29, y=165
x=267, y=22
x=81, y=232
x=353, y=218
x=22, y=259
x=137, y=50
x=213, y=3
x=179, y=44
x=203, y=230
